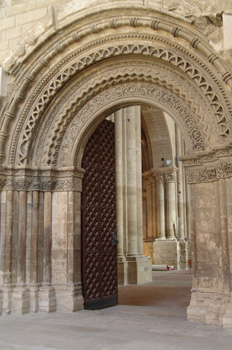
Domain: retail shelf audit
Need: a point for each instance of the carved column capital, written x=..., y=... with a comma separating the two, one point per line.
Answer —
x=46, y=179
x=170, y=175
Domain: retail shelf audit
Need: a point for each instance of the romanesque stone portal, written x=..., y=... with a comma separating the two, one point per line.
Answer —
x=75, y=67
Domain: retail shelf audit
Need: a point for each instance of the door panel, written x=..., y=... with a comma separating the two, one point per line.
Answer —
x=99, y=254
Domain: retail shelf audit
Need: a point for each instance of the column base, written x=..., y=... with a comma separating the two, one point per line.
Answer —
x=122, y=270
x=20, y=300
x=139, y=269
x=210, y=308
x=225, y=316
x=167, y=253
x=6, y=300
x=34, y=298
x=69, y=298
x=47, y=299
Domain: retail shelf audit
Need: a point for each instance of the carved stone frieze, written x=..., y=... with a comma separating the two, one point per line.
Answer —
x=41, y=180
x=211, y=156
x=69, y=185
x=221, y=170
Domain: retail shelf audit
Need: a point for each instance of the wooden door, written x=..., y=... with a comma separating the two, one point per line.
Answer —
x=99, y=248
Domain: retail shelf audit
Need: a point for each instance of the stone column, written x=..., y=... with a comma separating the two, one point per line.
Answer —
x=121, y=212
x=180, y=188
x=160, y=206
x=47, y=295
x=139, y=267
x=131, y=138
x=188, y=220
x=21, y=293
x=129, y=197
x=139, y=180
x=64, y=279
x=8, y=238
x=167, y=251
x=119, y=168
x=151, y=207
x=151, y=213
x=32, y=233
x=6, y=251
x=170, y=178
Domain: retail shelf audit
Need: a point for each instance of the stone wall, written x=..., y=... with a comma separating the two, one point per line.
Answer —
x=17, y=17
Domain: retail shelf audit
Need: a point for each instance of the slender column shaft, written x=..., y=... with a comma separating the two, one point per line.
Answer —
x=129, y=114
x=8, y=238
x=47, y=236
x=188, y=219
x=29, y=236
x=70, y=237
x=22, y=238
x=139, y=180
x=151, y=208
x=180, y=188
x=119, y=179
x=34, y=237
x=171, y=203
x=160, y=200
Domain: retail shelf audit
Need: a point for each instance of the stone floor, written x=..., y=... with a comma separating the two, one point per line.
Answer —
x=149, y=316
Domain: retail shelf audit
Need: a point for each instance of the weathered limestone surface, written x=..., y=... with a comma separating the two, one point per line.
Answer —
x=21, y=16
x=133, y=266
x=169, y=55
x=167, y=253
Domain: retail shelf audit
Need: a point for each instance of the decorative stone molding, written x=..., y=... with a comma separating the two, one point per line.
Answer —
x=170, y=175
x=161, y=175
x=117, y=93
x=53, y=180
x=221, y=170
x=61, y=114
x=213, y=155
x=47, y=27
x=176, y=59
x=135, y=49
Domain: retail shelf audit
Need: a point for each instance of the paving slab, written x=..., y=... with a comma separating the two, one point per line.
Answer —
x=159, y=325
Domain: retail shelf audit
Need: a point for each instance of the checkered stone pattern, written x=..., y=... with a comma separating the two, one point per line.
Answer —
x=99, y=255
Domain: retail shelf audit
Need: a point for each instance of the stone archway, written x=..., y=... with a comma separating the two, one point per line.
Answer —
x=64, y=87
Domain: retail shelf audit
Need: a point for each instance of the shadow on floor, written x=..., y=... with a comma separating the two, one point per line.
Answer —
x=170, y=289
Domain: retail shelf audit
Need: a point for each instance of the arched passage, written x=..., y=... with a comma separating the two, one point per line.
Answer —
x=65, y=86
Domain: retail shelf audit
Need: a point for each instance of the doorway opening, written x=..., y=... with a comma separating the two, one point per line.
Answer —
x=132, y=159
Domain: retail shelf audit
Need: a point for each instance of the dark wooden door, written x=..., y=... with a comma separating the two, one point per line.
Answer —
x=99, y=250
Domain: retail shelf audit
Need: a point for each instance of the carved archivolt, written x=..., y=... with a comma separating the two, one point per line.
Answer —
x=61, y=114
x=126, y=91
x=211, y=127
x=186, y=66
